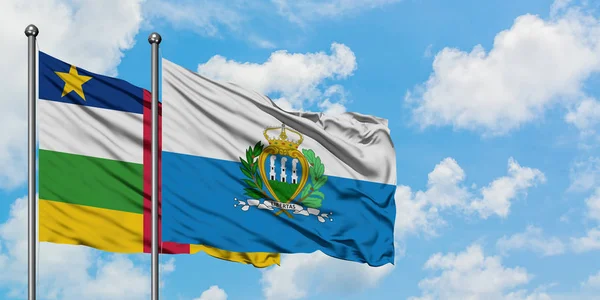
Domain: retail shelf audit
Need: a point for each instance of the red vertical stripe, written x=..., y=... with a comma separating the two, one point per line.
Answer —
x=167, y=247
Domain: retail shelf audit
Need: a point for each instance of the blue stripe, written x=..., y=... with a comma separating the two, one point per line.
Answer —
x=100, y=91
x=198, y=208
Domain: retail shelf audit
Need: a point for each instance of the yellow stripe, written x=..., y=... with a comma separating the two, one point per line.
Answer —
x=103, y=229
x=257, y=259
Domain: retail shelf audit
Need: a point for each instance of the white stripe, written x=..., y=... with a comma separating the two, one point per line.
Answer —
x=216, y=120
x=91, y=131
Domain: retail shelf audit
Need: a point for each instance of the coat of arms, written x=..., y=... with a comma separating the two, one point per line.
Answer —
x=272, y=185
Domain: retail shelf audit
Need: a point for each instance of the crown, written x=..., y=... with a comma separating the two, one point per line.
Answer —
x=282, y=141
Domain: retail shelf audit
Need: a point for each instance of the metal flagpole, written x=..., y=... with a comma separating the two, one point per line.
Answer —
x=154, y=39
x=31, y=32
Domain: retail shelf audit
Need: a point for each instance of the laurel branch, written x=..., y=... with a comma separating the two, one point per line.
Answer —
x=254, y=183
x=310, y=195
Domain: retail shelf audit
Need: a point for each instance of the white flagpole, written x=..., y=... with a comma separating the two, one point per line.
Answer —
x=31, y=32
x=154, y=39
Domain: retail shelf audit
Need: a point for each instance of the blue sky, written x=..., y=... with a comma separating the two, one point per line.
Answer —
x=492, y=107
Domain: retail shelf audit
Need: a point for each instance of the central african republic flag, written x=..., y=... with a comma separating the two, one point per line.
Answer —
x=95, y=165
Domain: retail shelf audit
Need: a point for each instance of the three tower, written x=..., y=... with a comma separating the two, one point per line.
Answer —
x=283, y=174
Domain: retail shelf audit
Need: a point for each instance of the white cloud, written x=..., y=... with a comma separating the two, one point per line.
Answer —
x=590, y=242
x=168, y=266
x=89, y=276
x=443, y=185
x=213, y=293
x=261, y=42
x=415, y=214
x=593, y=282
x=532, y=66
x=559, y=6
x=117, y=278
x=296, y=78
x=75, y=31
x=532, y=239
x=428, y=51
x=585, y=175
x=302, y=11
x=496, y=196
x=525, y=295
x=301, y=275
x=420, y=211
x=593, y=205
x=334, y=100
x=472, y=275
x=330, y=108
x=586, y=116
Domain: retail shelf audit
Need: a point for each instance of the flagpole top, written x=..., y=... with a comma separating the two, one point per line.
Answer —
x=31, y=30
x=154, y=38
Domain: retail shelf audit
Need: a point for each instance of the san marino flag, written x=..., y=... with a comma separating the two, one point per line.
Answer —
x=95, y=165
x=241, y=174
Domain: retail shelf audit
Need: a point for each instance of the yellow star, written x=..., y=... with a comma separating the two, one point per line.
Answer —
x=73, y=82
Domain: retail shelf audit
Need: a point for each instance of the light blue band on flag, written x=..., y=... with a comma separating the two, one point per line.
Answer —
x=204, y=203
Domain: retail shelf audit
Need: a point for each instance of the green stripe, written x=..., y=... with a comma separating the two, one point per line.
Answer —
x=91, y=181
